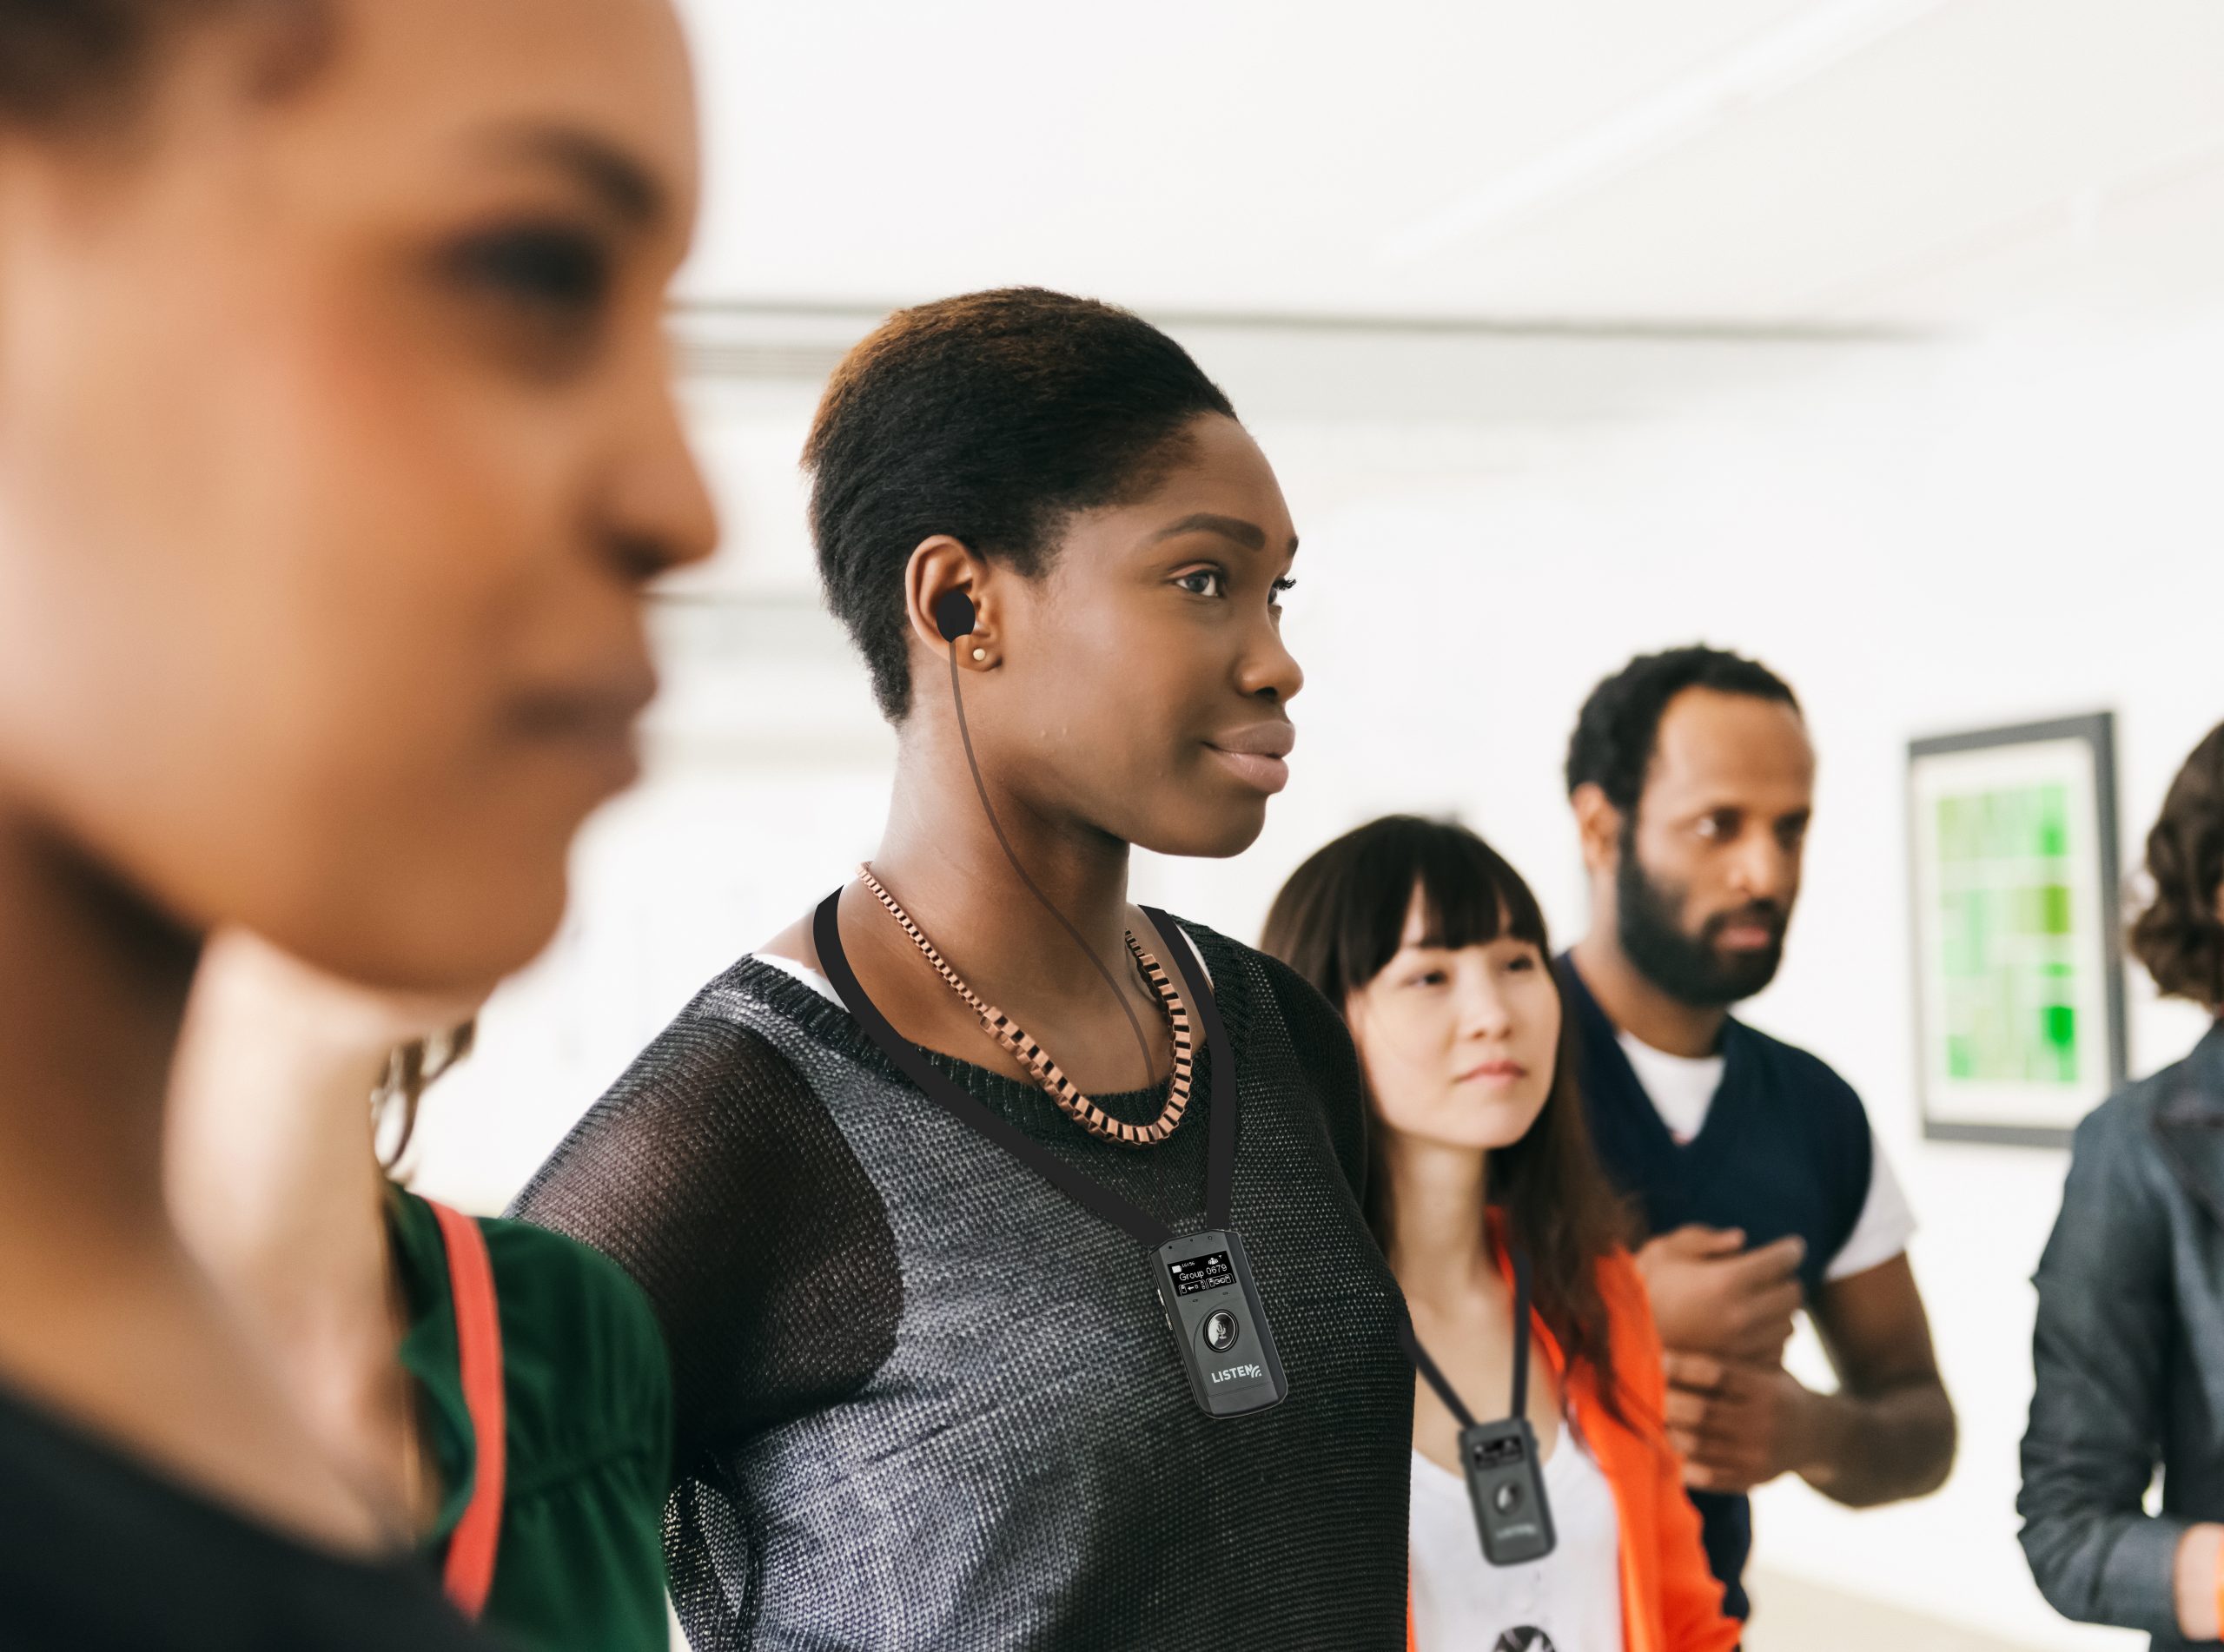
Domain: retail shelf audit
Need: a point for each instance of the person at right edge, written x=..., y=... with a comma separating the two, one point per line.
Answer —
x=2129, y=1340
x=1753, y=1166
x=925, y=1396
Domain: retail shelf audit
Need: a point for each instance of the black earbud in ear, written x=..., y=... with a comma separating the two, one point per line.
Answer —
x=954, y=615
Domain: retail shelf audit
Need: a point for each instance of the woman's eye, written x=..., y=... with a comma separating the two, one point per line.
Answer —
x=1522, y=962
x=1286, y=582
x=1205, y=582
x=1429, y=978
x=549, y=270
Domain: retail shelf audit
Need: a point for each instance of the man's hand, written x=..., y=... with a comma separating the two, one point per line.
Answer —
x=1738, y=1425
x=1710, y=1295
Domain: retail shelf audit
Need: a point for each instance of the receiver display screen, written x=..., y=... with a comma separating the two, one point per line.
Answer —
x=1207, y=1272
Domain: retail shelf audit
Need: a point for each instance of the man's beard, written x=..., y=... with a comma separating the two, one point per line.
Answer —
x=1690, y=968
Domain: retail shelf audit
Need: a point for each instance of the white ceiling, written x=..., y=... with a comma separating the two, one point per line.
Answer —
x=1898, y=163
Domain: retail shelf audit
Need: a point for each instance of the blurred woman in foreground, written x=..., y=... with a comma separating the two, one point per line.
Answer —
x=336, y=444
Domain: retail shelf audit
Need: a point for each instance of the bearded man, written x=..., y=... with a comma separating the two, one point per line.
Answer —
x=1753, y=1164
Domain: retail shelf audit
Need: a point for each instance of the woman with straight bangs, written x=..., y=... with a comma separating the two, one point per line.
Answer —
x=337, y=444
x=1436, y=950
x=896, y=1179
x=2127, y=1349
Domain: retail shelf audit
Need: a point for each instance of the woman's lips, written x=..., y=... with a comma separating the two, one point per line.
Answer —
x=1268, y=774
x=1494, y=1073
x=1259, y=754
x=595, y=726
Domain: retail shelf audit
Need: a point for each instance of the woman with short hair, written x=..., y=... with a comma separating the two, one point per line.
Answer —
x=896, y=1180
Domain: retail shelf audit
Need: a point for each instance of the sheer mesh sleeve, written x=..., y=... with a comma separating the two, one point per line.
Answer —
x=714, y=1176
x=711, y=1173
x=1324, y=1049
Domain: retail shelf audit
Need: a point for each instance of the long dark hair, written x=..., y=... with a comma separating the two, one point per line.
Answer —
x=1338, y=922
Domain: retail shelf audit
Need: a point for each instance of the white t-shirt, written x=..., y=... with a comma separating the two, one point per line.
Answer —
x=1571, y=1600
x=1682, y=1087
x=802, y=972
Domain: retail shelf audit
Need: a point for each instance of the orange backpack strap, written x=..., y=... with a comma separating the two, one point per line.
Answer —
x=470, y=1571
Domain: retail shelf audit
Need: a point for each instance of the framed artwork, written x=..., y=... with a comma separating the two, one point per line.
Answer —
x=2019, y=965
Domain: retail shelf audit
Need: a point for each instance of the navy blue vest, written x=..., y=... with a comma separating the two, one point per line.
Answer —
x=1785, y=1149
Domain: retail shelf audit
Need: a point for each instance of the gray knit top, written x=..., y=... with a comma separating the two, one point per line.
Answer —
x=924, y=1401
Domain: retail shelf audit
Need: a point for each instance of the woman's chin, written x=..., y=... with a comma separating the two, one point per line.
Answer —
x=1218, y=833
x=418, y=942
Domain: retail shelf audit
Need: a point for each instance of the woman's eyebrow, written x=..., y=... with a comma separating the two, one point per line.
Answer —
x=625, y=188
x=1249, y=535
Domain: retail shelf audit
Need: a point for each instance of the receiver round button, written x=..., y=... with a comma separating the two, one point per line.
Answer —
x=1506, y=1498
x=1220, y=1331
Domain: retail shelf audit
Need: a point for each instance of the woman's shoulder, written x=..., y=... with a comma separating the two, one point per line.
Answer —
x=2195, y=1085
x=1314, y=1042
x=572, y=1296
x=585, y=1367
x=584, y=1352
x=714, y=1079
x=2118, y=1145
x=1310, y=1017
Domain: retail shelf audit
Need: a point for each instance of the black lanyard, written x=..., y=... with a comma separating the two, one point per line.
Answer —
x=1435, y=1378
x=1227, y=1346
x=1504, y=1480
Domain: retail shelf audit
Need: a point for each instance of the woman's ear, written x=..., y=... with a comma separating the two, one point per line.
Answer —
x=947, y=600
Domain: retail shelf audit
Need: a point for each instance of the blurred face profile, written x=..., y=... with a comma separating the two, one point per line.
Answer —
x=1710, y=869
x=1459, y=1046
x=336, y=444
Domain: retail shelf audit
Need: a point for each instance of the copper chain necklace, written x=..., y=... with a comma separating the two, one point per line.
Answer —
x=1061, y=1089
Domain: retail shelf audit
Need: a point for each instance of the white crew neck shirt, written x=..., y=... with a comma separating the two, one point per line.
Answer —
x=1682, y=1090
x=1571, y=1600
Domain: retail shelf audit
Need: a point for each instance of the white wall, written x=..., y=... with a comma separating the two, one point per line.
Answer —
x=1922, y=537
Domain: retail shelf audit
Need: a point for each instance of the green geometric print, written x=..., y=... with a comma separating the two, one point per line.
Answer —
x=2007, y=936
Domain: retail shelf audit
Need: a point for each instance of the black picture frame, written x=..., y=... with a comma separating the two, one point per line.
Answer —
x=1946, y=1105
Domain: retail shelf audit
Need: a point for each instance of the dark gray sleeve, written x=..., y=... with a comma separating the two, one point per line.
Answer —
x=712, y=1175
x=2101, y=1348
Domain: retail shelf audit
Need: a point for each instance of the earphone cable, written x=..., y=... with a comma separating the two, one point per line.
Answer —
x=1142, y=1045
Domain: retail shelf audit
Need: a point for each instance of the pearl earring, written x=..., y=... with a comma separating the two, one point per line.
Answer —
x=980, y=653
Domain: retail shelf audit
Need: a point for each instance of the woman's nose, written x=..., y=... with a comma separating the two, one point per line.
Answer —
x=1484, y=1013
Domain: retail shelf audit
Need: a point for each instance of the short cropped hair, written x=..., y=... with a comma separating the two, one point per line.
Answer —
x=1618, y=728
x=2179, y=936
x=992, y=418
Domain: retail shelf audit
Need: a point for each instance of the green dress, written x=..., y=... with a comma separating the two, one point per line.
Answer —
x=579, y=1566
